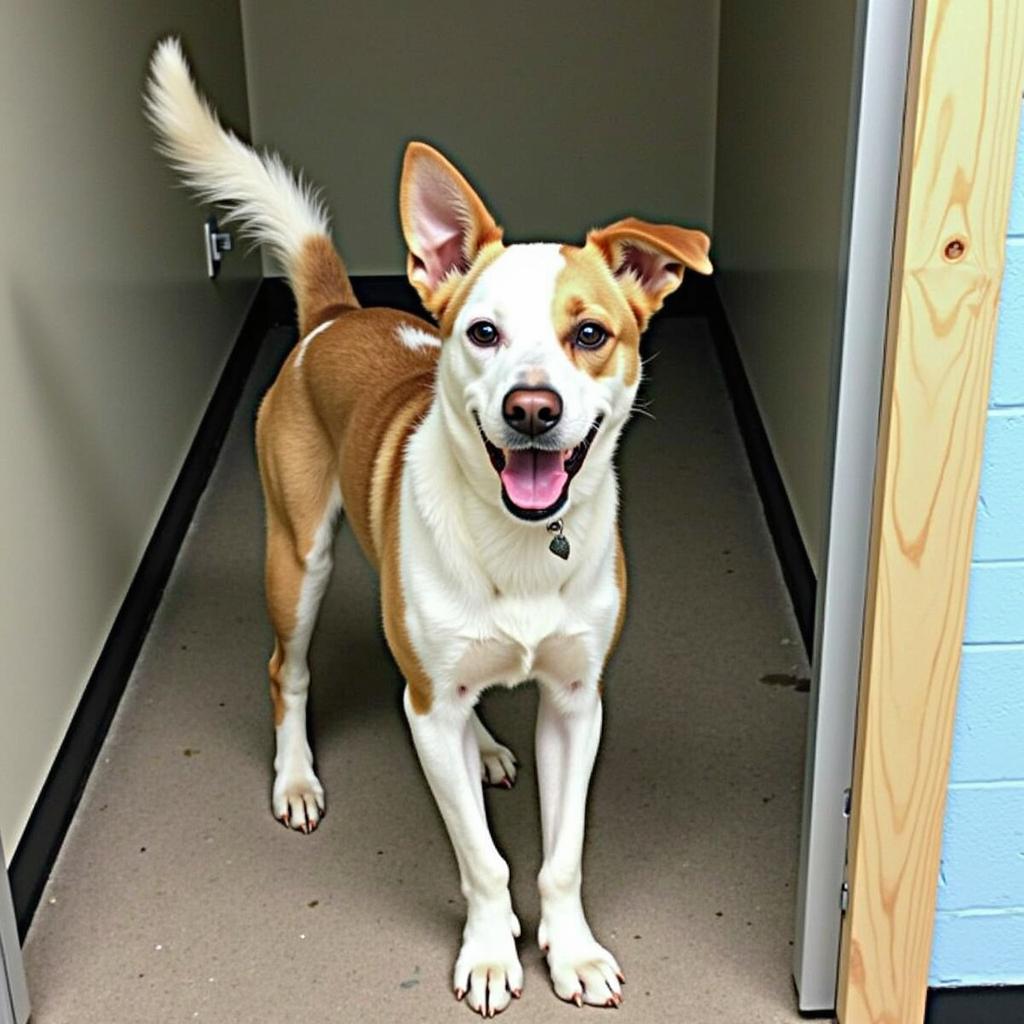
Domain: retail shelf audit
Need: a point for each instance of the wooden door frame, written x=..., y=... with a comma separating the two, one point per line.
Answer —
x=966, y=77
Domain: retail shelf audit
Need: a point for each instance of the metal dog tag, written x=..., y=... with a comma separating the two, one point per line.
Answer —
x=559, y=544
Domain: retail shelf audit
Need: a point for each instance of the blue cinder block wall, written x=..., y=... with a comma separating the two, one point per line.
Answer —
x=979, y=927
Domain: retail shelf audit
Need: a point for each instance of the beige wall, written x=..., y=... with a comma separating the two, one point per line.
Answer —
x=784, y=85
x=111, y=340
x=565, y=115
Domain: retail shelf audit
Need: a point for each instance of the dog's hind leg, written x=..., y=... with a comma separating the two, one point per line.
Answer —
x=302, y=505
x=297, y=575
x=497, y=762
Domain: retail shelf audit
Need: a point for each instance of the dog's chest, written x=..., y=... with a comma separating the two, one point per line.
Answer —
x=538, y=643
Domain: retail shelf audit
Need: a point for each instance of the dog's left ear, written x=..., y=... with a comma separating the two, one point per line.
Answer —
x=444, y=221
x=649, y=259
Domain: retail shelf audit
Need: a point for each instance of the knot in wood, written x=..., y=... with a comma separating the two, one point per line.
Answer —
x=955, y=249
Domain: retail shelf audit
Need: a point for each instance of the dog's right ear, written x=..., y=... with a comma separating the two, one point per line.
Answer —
x=444, y=221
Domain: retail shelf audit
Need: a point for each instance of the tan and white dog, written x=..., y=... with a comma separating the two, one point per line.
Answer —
x=474, y=463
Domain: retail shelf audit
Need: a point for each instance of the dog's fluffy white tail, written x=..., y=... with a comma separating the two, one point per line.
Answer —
x=274, y=206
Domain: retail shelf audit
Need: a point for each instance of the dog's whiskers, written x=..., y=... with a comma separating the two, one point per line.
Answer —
x=641, y=408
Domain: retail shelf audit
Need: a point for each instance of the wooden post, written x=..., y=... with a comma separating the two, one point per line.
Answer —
x=963, y=112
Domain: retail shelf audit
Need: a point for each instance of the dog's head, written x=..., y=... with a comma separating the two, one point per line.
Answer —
x=540, y=361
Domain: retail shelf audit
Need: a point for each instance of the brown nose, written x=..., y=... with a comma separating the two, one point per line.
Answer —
x=532, y=411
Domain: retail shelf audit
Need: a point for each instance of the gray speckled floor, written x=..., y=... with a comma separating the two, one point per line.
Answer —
x=178, y=898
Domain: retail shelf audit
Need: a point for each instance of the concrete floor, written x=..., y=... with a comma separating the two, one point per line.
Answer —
x=178, y=898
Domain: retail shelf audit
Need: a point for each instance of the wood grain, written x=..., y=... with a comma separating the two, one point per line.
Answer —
x=964, y=96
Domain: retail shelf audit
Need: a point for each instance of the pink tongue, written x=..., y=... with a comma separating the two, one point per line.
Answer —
x=533, y=479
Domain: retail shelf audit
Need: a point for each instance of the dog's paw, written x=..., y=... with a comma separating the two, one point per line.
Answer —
x=582, y=970
x=488, y=974
x=497, y=765
x=298, y=800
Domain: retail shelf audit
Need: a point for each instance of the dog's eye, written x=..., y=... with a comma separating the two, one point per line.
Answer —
x=483, y=333
x=591, y=335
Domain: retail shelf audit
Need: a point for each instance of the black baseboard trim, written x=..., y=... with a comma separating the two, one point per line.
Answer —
x=789, y=545
x=694, y=298
x=994, y=1004
x=391, y=290
x=41, y=841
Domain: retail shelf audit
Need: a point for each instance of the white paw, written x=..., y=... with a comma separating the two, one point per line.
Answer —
x=582, y=970
x=298, y=800
x=497, y=765
x=488, y=973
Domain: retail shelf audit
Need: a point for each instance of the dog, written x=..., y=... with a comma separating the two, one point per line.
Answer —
x=474, y=462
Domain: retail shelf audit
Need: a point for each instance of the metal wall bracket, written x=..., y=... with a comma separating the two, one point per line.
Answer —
x=215, y=243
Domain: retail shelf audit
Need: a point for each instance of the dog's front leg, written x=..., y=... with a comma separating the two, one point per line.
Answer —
x=568, y=733
x=487, y=971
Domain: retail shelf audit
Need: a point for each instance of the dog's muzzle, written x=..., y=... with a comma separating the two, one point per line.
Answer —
x=535, y=481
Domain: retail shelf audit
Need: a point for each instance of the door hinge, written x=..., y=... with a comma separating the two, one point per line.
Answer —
x=844, y=889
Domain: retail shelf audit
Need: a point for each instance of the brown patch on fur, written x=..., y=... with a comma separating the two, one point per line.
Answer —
x=296, y=500
x=320, y=281
x=360, y=379
x=638, y=313
x=393, y=606
x=648, y=260
x=586, y=290
x=622, y=585
x=321, y=316
x=453, y=292
x=385, y=465
x=371, y=391
x=322, y=425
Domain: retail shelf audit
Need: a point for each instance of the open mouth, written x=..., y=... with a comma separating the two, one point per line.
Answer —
x=535, y=481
